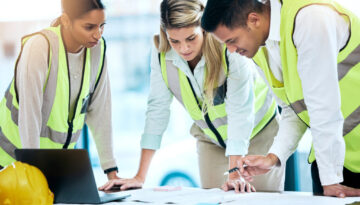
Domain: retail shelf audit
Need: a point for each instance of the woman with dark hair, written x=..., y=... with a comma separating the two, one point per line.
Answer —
x=60, y=83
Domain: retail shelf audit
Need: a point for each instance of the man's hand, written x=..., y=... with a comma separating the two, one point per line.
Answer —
x=124, y=184
x=341, y=191
x=257, y=165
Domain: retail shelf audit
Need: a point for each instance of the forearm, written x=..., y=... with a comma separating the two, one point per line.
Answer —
x=145, y=160
x=233, y=160
x=291, y=129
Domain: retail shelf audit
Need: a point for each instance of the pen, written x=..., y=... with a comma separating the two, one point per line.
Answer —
x=233, y=170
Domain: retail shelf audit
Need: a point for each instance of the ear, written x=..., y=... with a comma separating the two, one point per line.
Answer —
x=157, y=41
x=253, y=20
x=65, y=20
x=203, y=32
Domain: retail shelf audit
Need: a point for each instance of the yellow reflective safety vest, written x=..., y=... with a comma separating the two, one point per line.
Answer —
x=290, y=91
x=58, y=128
x=214, y=121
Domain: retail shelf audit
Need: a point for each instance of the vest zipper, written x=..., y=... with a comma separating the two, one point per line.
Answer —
x=214, y=130
x=69, y=134
x=71, y=121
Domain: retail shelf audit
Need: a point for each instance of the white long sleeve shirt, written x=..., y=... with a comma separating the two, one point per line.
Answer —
x=239, y=101
x=31, y=76
x=319, y=34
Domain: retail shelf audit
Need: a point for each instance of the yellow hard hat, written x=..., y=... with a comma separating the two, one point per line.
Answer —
x=21, y=183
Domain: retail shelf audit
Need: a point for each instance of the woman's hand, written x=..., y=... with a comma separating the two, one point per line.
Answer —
x=238, y=183
x=112, y=175
x=124, y=184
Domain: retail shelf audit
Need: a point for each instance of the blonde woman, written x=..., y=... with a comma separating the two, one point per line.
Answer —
x=217, y=90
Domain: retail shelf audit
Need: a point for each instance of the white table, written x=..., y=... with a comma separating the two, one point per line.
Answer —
x=216, y=196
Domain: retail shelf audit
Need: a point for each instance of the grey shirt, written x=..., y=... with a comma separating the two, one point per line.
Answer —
x=31, y=77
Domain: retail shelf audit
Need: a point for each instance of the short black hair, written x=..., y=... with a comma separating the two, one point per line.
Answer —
x=76, y=8
x=230, y=13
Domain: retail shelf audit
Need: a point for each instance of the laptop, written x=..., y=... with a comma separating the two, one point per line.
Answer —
x=69, y=175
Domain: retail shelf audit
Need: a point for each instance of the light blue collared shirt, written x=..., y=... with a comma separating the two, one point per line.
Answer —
x=239, y=101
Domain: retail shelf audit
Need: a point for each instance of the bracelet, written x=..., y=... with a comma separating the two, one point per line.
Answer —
x=111, y=169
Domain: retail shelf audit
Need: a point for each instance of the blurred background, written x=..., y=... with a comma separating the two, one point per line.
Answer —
x=129, y=28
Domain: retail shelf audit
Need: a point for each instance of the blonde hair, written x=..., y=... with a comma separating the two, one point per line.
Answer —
x=187, y=13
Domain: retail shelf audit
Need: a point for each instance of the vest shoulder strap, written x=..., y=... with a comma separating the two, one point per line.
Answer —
x=24, y=39
x=226, y=62
x=100, y=71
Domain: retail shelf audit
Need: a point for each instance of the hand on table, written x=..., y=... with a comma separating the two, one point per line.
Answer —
x=341, y=191
x=238, y=183
x=112, y=175
x=124, y=184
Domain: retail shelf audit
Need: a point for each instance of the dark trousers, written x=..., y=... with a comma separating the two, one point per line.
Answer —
x=351, y=179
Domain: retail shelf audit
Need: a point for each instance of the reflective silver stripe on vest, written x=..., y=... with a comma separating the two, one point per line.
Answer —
x=95, y=56
x=299, y=106
x=201, y=123
x=173, y=81
x=49, y=94
x=6, y=145
x=352, y=121
x=9, y=105
x=350, y=61
x=217, y=122
x=220, y=122
x=58, y=137
x=343, y=68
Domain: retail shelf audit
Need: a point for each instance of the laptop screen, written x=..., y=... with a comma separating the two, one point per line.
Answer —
x=68, y=171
